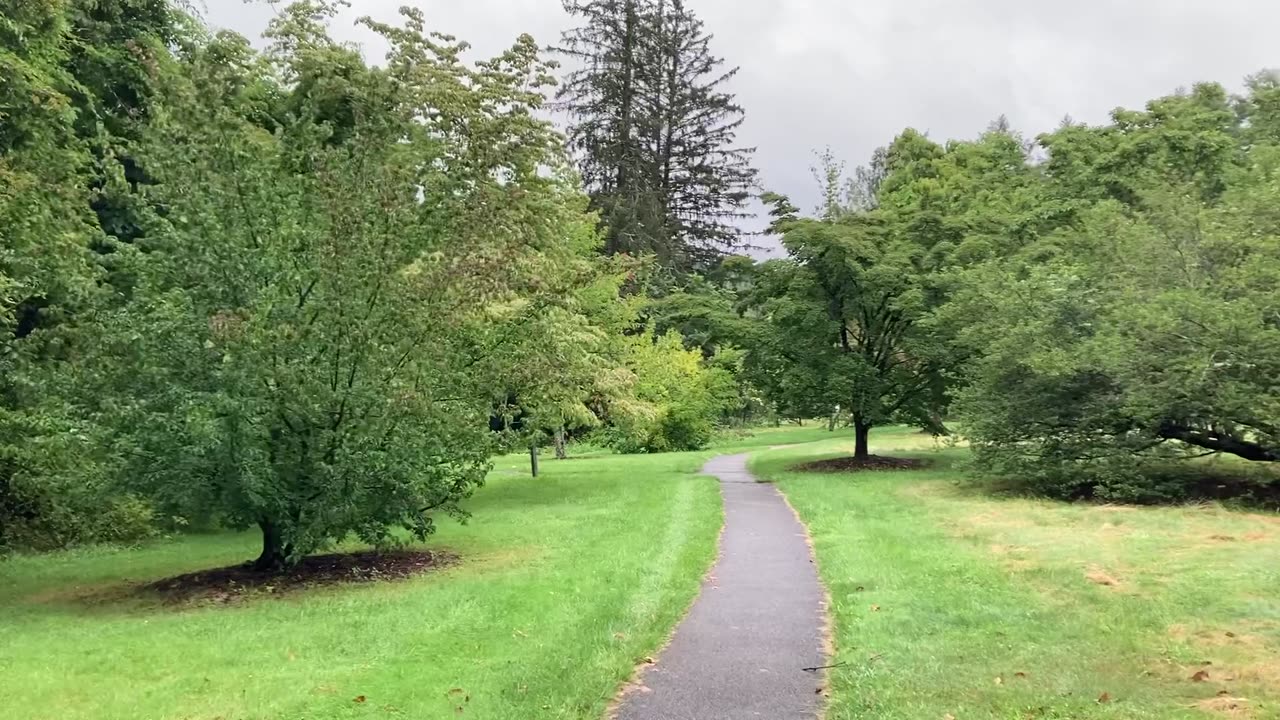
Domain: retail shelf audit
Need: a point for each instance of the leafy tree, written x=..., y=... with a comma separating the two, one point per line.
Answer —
x=325, y=312
x=50, y=494
x=846, y=313
x=1145, y=330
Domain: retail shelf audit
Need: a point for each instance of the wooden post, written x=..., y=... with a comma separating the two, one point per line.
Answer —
x=533, y=459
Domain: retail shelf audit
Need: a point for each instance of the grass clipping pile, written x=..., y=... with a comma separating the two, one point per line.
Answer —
x=240, y=582
x=871, y=463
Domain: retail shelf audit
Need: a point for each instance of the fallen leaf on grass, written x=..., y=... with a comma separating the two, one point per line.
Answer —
x=875, y=608
x=999, y=680
x=1020, y=674
x=1100, y=577
x=1200, y=676
x=948, y=716
x=1104, y=698
x=358, y=698
x=649, y=660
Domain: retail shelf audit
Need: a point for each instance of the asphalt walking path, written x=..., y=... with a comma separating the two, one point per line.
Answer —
x=757, y=623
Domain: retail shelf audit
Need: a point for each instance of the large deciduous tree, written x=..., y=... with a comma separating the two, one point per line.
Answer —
x=1146, y=329
x=326, y=310
x=50, y=491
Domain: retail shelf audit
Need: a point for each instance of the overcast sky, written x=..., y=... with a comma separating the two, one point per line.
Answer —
x=851, y=74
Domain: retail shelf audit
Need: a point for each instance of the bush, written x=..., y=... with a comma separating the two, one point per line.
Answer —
x=681, y=428
x=1133, y=479
x=57, y=489
x=677, y=398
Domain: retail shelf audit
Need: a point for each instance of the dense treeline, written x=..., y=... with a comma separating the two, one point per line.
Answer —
x=294, y=290
x=297, y=290
x=1096, y=307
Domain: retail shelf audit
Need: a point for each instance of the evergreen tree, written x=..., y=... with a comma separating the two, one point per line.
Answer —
x=705, y=179
x=655, y=131
x=602, y=99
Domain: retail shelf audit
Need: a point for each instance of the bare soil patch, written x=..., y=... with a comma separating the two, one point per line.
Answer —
x=876, y=463
x=238, y=582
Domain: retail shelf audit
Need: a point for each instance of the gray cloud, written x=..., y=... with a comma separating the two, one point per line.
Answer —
x=852, y=74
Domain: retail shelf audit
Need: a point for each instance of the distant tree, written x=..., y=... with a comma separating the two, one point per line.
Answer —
x=706, y=177
x=655, y=131
x=673, y=399
x=845, y=315
x=608, y=119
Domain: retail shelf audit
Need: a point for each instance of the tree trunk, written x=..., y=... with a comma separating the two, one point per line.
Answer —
x=835, y=418
x=561, y=451
x=937, y=426
x=862, y=430
x=275, y=553
x=533, y=460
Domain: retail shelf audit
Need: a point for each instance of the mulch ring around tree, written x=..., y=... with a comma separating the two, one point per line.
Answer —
x=241, y=582
x=876, y=463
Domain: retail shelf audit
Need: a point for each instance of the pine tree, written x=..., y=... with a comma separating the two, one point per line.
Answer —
x=655, y=130
x=602, y=100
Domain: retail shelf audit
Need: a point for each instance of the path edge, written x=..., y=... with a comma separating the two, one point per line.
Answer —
x=636, y=680
x=828, y=628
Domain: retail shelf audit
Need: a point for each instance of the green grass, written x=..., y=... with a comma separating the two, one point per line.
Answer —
x=567, y=581
x=948, y=603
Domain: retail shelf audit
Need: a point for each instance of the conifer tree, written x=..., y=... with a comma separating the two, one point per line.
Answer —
x=655, y=130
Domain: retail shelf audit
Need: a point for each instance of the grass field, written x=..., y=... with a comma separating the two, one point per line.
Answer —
x=566, y=582
x=950, y=604
x=947, y=604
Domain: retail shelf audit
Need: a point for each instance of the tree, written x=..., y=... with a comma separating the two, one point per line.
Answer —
x=673, y=397
x=846, y=313
x=602, y=98
x=1144, y=331
x=324, y=311
x=46, y=275
x=655, y=131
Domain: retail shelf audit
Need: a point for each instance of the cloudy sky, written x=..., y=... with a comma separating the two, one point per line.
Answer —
x=850, y=74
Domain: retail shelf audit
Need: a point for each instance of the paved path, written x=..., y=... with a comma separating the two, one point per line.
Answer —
x=758, y=620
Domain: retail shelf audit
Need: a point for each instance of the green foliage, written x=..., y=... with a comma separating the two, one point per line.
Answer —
x=1145, y=329
x=51, y=493
x=674, y=399
x=845, y=316
x=326, y=312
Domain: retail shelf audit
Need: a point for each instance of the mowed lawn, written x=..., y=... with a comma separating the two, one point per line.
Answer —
x=566, y=582
x=951, y=604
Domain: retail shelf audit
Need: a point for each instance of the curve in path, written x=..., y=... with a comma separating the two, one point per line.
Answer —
x=756, y=624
